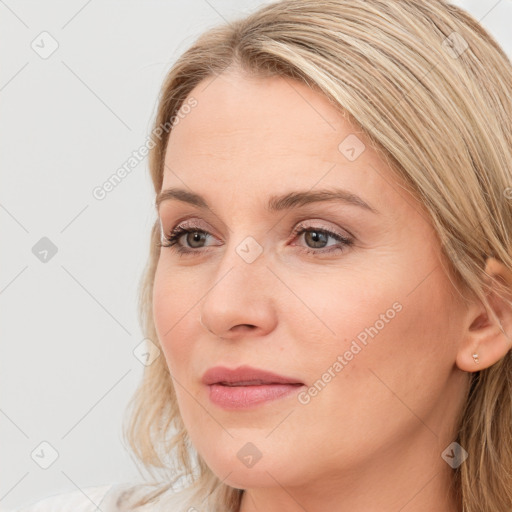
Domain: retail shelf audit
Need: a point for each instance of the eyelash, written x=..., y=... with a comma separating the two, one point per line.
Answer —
x=171, y=240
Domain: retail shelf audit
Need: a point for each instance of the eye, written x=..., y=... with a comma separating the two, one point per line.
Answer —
x=194, y=235
x=315, y=237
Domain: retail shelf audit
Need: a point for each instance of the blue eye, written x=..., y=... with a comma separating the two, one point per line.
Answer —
x=318, y=236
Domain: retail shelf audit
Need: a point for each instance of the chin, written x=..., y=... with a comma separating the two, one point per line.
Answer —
x=244, y=465
x=245, y=478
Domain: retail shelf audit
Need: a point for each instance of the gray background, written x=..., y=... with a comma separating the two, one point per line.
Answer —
x=68, y=122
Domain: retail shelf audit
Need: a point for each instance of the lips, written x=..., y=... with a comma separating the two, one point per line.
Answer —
x=245, y=376
x=246, y=387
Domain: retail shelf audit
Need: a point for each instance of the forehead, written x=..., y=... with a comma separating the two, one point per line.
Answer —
x=268, y=134
x=248, y=115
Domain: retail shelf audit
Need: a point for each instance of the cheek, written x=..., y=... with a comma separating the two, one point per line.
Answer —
x=326, y=313
x=390, y=356
x=374, y=324
x=173, y=316
x=175, y=319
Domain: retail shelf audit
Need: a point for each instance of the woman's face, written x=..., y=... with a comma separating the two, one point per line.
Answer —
x=370, y=327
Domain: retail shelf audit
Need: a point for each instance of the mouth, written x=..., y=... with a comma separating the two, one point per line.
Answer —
x=256, y=383
x=245, y=376
x=246, y=387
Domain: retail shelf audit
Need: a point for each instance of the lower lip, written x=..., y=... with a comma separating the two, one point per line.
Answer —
x=239, y=397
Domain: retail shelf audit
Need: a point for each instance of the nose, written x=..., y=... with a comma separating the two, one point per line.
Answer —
x=241, y=328
x=240, y=298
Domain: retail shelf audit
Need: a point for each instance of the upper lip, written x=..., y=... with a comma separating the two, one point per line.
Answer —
x=244, y=375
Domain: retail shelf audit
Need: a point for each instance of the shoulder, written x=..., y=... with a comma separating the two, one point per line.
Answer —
x=84, y=500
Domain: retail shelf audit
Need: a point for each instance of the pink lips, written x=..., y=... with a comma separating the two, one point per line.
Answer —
x=246, y=386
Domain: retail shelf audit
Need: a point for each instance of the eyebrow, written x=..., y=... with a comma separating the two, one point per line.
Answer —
x=287, y=201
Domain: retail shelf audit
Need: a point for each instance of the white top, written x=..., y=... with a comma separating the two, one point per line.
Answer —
x=104, y=498
x=85, y=500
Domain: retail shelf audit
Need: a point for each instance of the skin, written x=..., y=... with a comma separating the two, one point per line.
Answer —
x=372, y=439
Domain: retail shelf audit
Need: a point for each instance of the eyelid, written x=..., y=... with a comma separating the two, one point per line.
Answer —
x=312, y=224
x=194, y=223
x=189, y=225
x=190, y=222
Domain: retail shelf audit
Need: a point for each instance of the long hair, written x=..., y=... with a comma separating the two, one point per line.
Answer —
x=433, y=92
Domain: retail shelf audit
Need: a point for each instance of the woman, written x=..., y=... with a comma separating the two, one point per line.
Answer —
x=330, y=272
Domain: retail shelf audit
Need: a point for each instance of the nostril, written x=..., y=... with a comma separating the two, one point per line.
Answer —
x=244, y=327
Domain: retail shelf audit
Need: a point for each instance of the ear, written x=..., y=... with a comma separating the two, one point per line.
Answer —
x=489, y=334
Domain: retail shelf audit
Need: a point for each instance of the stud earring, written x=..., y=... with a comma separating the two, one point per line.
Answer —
x=475, y=358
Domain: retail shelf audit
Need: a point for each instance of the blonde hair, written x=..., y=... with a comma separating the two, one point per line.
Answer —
x=433, y=92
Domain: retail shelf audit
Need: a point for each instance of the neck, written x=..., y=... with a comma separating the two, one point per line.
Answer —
x=394, y=480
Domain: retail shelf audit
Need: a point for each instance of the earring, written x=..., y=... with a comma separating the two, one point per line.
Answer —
x=475, y=358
